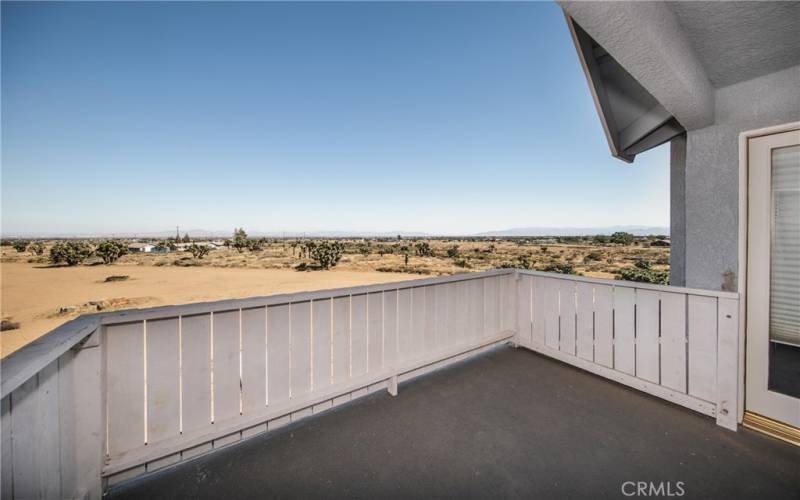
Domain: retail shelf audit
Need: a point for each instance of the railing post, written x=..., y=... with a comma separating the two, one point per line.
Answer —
x=727, y=362
x=83, y=410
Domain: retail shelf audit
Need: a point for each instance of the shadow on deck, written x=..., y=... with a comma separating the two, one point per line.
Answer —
x=508, y=423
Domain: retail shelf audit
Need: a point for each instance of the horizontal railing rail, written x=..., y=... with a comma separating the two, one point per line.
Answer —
x=110, y=396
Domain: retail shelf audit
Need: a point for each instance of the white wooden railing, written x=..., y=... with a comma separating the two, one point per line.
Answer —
x=111, y=396
x=147, y=388
x=676, y=343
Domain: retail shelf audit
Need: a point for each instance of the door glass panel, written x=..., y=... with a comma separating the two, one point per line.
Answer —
x=784, y=315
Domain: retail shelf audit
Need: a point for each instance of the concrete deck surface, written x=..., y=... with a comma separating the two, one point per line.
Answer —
x=508, y=423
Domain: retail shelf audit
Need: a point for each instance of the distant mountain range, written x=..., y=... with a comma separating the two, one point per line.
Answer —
x=513, y=232
x=578, y=231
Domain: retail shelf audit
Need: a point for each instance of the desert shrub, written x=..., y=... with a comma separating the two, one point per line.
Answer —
x=452, y=251
x=71, y=253
x=199, y=251
x=364, y=250
x=37, y=247
x=110, y=251
x=327, y=254
x=255, y=245
x=543, y=249
x=423, y=249
x=622, y=238
x=592, y=256
x=239, y=242
x=20, y=245
x=560, y=267
x=462, y=263
x=644, y=274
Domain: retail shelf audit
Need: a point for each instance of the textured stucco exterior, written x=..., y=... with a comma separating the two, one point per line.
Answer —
x=712, y=173
x=647, y=40
x=677, y=211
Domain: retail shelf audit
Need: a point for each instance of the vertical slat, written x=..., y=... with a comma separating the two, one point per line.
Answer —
x=48, y=435
x=490, y=307
x=476, y=305
x=604, y=325
x=673, y=341
x=418, y=303
x=163, y=379
x=441, y=326
x=390, y=327
x=226, y=365
x=301, y=348
x=196, y=371
x=567, y=314
x=508, y=303
x=405, y=331
x=585, y=325
x=278, y=352
x=551, y=313
x=67, y=427
x=647, y=325
x=524, y=305
x=25, y=406
x=358, y=335
x=539, y=293
x=6, y=466
x=624, y=330
x=430, y=319
x=321, y=338
x=727, y=362
x=254, y=359
x=125, y=387
x=462, y=312
x=703, y=347
x=452, y=314
x=375, y=332
x=341, y=339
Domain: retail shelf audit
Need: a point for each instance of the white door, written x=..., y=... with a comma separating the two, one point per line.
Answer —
x=772, y=376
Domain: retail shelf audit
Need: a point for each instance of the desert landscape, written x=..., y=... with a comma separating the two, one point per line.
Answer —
x=47, y=282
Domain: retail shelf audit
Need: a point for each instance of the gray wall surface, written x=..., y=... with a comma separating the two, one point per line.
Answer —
x=711, y=203
x=677, y=211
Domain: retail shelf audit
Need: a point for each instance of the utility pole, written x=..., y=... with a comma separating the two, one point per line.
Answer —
x=177, y=234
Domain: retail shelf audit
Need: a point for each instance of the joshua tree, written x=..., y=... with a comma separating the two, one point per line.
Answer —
x=622, y=238
x=71, y=253
x=199, y=251
x=424, y=249
x=452, y=252
x=37, y=247
x=20, y=245
x=239, y=239
x=110, y=251
x=326, y=254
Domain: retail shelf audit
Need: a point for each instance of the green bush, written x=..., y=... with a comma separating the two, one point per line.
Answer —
x=20, y=245
x=71, y=253
x=644, y=273
x=560, y=267
x=423, y=249
x=452, y=251
x=326, y=254
x=37, y=247
x=110, y=251
x=622, y=238
x=199, y=251
x=592, y=256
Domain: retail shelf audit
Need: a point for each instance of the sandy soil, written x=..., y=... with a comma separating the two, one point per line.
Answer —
x=34, y=294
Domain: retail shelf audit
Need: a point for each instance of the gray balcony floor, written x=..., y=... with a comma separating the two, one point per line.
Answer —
x=509, y=423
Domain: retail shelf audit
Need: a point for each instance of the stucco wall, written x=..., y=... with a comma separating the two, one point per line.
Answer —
x=712, y=173
x=677, y=211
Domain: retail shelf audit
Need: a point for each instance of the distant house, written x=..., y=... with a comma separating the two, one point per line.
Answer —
x=140, y=247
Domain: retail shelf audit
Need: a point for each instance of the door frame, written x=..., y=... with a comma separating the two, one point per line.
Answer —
x=744, y=169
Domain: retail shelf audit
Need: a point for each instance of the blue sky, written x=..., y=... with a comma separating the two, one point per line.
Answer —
x=449, y=118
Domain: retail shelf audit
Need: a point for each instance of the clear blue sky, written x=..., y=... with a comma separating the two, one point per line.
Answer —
x=448, y=118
